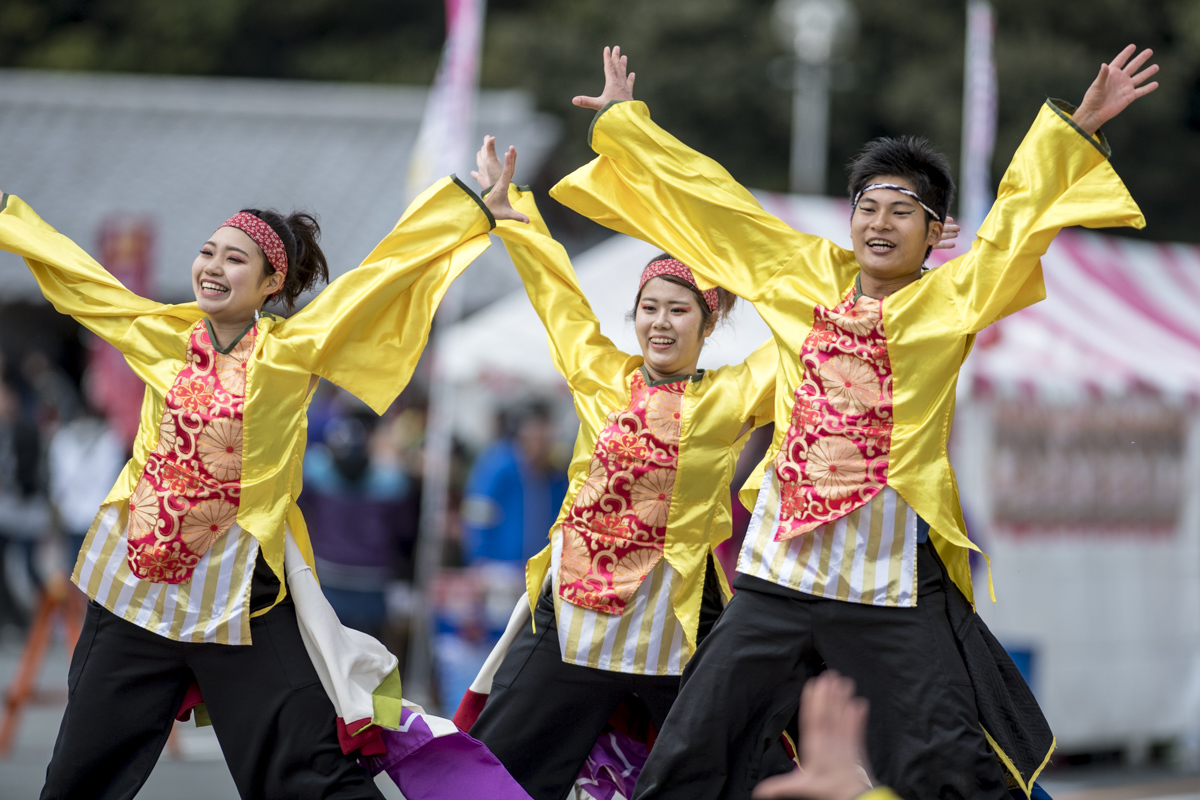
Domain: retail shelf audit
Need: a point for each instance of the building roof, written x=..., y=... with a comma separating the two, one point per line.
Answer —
x=187, y=152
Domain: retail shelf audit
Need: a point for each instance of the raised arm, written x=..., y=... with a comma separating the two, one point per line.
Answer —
x=577, y=347
x=1059, y=177
x=72, y=280
x=650, y=185
x=367, y=329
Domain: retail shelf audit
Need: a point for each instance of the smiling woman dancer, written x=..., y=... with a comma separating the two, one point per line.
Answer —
x=856, y=557
x=185, y=560
x=632, y=581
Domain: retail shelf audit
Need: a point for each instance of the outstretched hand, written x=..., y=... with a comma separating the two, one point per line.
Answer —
x=491, y=173
x=487, y=165
x=1118, y=84
x=949, y=234
x=833, y=726
x=617, y=84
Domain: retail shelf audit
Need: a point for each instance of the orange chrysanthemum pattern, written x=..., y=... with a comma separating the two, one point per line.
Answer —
x=188, y=495
x=834, y=457
x=616, y=529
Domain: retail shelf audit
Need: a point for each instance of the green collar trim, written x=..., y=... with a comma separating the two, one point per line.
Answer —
x=4, y=201
x=858, y=292
x=693, y=377
x=212, y=337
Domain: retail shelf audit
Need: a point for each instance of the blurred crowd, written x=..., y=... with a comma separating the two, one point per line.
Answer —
x=58, y=461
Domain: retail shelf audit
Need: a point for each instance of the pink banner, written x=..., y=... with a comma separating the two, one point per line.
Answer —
x=446, y=139
x=126, y=247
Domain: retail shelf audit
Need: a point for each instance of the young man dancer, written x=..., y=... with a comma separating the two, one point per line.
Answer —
x=856, y=558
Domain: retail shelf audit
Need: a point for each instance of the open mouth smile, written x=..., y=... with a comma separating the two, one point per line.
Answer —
x=211, y=289
x=880, y=245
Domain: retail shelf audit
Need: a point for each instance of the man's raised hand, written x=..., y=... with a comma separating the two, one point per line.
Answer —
x=497, y=199
x=617, y=84
x=1118, y=84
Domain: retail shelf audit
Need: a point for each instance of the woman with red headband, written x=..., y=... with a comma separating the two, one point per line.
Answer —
x=184, y=563
x=628, y=582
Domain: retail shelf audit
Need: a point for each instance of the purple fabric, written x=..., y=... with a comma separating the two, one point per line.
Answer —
x=428, y=767
x=612, y=767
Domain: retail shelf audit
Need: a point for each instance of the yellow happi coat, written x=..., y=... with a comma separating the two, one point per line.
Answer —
x=364, y=332
x=716, y=408
x=648, y=184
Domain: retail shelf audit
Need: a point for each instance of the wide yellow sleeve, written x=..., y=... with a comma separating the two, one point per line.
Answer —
x=69, y=278
x=756, y=385
x=366, y=331
x=650, y=185
x=1058, y=177
x=579, y=350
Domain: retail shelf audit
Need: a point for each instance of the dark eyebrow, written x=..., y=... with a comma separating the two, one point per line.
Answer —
x=904, y=202
x=646, y=299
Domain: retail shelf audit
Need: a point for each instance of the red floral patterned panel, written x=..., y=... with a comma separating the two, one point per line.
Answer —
x=834, y=457
x=188, y=495
x=616, y=529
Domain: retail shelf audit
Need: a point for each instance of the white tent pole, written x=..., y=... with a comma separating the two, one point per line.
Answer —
x=444, y=145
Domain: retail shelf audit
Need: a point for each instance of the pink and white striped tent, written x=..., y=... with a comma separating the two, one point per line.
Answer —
x=1120, y=315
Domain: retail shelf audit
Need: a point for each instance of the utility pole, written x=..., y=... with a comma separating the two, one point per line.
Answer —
x=816, y=30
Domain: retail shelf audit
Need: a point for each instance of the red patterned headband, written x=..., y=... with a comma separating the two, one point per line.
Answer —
x=264, y=236
x=669, y=266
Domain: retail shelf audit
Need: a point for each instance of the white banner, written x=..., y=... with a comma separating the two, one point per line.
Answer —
x=446, y=139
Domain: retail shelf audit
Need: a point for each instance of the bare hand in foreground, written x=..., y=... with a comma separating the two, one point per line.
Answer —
x=949, y=234
x=833, y=726
x=1118, y=84
x=617, y=84
x=497, y=199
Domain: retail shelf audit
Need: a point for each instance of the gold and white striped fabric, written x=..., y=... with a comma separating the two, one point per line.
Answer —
x=868, y=556
x=212, y=607
x=647, y=639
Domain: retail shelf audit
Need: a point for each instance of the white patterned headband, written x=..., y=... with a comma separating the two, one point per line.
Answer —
x=895, y=188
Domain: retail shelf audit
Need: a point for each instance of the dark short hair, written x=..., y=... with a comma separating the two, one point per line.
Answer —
x=908, y=157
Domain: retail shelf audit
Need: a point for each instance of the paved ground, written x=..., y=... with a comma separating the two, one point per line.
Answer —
x=197, y=771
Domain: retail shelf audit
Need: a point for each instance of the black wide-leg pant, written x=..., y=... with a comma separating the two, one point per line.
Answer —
x=743, y=686
x=275, y=724
x=543, y=716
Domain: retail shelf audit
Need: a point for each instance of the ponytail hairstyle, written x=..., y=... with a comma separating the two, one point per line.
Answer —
x=307, y=267
x=726, y=300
